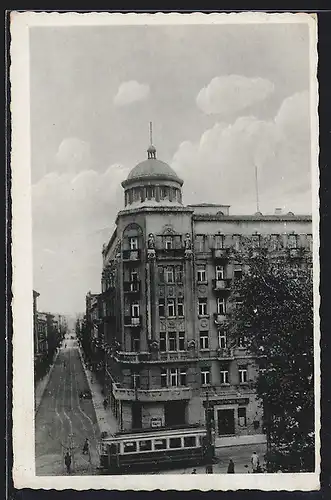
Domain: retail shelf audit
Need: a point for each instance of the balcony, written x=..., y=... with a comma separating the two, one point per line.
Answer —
x=148, y=395
x=221, y=285
x=220, y=253
x=172, y=356
x=131, y=255
x=219, y=319
x=133, y=321
x=131, y=286
x=170, y=253
x=132, y=357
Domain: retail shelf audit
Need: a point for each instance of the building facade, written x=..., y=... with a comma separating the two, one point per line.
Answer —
x=167, y=275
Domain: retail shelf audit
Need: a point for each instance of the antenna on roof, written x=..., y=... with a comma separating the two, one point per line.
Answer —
x=151, y=133
x=257, y=190
x=151, y=151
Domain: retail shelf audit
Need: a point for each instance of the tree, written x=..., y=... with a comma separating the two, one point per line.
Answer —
x=272, y=307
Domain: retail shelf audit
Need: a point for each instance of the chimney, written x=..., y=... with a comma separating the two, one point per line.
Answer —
x=278, y=211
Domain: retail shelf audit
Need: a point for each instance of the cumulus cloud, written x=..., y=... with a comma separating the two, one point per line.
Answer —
x=129, y=92
x=226, y=95
x=220, y=167
x=73, y=215
x=73, y=155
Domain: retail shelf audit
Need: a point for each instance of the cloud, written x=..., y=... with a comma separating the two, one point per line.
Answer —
x=220, y=167
x=227, y=95
x=73, y=155
x=129, y=92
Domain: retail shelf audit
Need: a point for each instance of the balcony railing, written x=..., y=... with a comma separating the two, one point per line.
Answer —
x=132, y=357
x=134, y=321
x=170, y=253
x=132, y=286
x=146, y=395
x=131, y=255
x=220, y=253
x=219, y=319
x=221, y=285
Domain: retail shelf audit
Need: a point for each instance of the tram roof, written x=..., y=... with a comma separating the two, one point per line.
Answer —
x=155, y=433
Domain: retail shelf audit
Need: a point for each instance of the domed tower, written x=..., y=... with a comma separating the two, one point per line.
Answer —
x=152, y=182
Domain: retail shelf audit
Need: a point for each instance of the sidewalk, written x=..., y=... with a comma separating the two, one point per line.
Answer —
x=42, y=384
x=106, y=421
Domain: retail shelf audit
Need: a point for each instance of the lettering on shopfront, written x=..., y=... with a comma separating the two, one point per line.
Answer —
x=235, y=401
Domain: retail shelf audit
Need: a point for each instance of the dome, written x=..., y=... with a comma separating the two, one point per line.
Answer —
x=153, y=168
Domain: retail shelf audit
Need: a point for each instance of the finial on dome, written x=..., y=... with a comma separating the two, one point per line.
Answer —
x=151, y=151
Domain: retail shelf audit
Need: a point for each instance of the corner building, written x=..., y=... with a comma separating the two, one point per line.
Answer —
x=167, y=274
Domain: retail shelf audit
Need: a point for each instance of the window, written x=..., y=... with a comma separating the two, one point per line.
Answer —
x=219, y=241
x=220, y=272
x=292, y=241
x=161, y=274
x=168, y=242
x=135, y=309
x=242, y=420
x=181, y=341
x=171, y=308
x=182, y=377
x=134, y=274
x=189, y=441
x=164, y=378
x=202, y=307
x=169, y=275
x=163, y=342
x=274, y=242
x=242, y=341
x=199, y=243
x=175, y=443
x=222, y=340
x=145, y=445
x=205, y=376
x=204, y=340
x=172, y=341
x=180, y=307
x=243, y=375
x=133, y=242
x=201, y=273
x=135, y=380
x=160, y=444
x=163, y=192
x=161, y=308
x=220, y=306
x=237, y=272
x=224, y=376
x=179, y=274
x=150, y=192
x=173, y=377
x=136, y=343
x=130, y=447
x=310, y=242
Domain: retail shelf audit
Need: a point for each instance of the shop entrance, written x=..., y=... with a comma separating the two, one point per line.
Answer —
x=225, y=419
x=175, y=413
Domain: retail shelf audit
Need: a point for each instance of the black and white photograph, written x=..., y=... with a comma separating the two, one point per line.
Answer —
x=165, y=251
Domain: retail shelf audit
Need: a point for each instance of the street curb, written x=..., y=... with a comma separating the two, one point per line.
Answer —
x=46, y=378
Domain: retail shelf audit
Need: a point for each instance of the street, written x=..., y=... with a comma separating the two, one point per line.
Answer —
x=64, y=421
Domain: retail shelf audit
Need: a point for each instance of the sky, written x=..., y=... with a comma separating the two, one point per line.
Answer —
x=223, y=99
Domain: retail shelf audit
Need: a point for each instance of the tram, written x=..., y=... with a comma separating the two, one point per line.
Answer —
x=147, y=449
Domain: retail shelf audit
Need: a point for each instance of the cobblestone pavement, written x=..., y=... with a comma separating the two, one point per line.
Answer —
x=64, y=421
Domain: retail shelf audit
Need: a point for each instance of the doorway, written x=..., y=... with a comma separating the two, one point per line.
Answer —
x=225, y=419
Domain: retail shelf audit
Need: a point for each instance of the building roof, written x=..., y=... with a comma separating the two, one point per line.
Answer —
x=153, y=168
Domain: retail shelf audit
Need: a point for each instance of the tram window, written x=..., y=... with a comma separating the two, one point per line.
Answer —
x=130, y=446
x=189, y=441
x=175, y=443
x=160, y=444
x=145, y=445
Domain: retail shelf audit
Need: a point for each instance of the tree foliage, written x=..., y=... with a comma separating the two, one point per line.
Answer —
x=273, y=310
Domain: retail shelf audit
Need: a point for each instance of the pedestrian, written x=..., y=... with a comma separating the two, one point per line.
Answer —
x=231, y=466
x=194, y=471
x=86, y=447
x=67, y=461
x=255, y=462
x=105, y=403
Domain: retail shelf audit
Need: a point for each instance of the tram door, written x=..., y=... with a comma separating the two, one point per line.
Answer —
x=225, y=420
